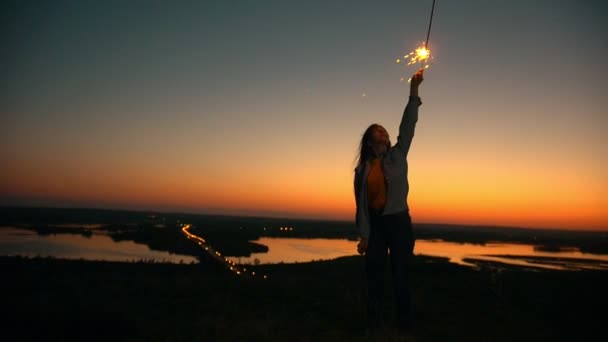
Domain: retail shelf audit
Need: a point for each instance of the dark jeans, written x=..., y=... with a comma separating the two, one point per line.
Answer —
x=391, y=232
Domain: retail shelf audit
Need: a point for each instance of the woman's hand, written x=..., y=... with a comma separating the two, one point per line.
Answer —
x=416, y=80
x=362, y=246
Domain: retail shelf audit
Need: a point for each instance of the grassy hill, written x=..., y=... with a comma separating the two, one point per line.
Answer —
x=49, y=299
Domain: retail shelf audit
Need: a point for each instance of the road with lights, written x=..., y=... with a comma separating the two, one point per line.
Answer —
x=230, y=265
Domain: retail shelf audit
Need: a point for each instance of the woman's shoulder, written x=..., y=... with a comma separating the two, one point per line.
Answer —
x=396, y=155
x=361, y=167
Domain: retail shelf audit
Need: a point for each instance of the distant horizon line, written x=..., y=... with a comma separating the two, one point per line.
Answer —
x=163, y=211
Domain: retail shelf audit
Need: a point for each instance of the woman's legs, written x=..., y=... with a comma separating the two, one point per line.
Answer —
x=401, y=244
x=375, y=259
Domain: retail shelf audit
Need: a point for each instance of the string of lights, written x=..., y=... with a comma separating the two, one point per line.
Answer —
x=230, y=265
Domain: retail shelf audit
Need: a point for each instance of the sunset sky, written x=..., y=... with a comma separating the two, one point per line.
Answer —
x=257, y=107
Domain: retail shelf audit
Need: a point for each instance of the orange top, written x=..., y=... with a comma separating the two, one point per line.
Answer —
x=376, y=186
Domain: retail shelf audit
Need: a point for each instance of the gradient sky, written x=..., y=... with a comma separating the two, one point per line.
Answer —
x=257, y=107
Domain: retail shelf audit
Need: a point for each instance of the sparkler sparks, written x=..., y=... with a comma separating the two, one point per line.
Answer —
x=420, y=56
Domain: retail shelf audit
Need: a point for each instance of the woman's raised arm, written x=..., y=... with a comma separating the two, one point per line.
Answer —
x=410, y=114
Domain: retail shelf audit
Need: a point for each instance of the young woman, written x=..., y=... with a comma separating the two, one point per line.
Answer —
x=382, y=214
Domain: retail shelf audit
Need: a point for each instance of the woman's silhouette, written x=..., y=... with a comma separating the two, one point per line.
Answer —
x=382, y=217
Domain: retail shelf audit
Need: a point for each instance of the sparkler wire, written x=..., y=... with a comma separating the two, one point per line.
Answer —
x=428, y=34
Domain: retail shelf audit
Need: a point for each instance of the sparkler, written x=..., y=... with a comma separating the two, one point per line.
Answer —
x=421, y=55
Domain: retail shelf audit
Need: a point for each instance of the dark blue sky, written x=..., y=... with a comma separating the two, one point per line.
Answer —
x=94, y=92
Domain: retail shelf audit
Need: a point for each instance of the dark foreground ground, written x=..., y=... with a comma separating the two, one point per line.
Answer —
x=48, y=300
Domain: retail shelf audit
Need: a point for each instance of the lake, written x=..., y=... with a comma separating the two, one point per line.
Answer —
x=99, y=246
x=290, y=250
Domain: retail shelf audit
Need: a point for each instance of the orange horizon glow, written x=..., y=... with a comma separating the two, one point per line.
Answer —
x=523, y=200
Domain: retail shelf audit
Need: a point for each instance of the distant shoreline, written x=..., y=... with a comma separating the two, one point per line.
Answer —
x=232, y=234
x=295, y=218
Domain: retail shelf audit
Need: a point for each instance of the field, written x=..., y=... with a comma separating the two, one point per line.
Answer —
x=48, y=299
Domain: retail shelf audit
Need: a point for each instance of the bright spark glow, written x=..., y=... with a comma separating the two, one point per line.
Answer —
x=422, y=53
x=421, y=57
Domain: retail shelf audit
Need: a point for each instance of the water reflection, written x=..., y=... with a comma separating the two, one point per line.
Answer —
x=510, y=253
x=79, y=225
x=70, y=246
x=291, y=250
x=99, y=246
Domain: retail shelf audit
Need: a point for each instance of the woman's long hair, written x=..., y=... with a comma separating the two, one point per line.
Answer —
x=366, y=151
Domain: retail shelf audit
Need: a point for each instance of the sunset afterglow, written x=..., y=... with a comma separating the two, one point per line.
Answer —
x=250, y=111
